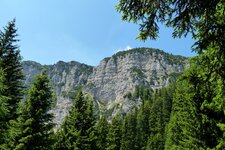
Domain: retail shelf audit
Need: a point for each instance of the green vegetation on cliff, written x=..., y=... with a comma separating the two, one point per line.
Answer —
x=171, y=59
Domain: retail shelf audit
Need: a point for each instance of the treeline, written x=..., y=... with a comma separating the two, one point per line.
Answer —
x=140, y=128
x=185, y=115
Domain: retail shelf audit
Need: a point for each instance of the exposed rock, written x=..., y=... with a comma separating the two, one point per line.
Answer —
x=65, y=78
x=118, y=75
x=112, y=79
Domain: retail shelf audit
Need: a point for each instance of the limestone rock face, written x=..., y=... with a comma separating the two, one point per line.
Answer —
x=65, y=78
x=119, y=74
x=112, y=79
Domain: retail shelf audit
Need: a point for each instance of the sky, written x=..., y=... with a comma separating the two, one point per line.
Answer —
x=79, y=30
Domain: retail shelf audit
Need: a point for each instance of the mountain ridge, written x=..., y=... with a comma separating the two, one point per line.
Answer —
x=111, y=80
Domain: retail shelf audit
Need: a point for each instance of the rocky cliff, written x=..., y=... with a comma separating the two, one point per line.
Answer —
x=65, y=78
x=111, y=80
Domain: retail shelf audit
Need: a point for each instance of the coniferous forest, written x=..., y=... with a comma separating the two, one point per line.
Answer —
x=187, y=114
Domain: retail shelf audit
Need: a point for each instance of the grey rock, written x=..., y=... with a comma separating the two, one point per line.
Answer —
x=111, y=80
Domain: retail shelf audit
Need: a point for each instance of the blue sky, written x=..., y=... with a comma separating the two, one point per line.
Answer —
x=80, y=30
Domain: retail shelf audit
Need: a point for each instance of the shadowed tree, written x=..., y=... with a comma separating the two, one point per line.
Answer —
x=101, y=132
x=3, y=109
x=129, y=131
x=10, y=62
x=77, y=131
x=115, y=133
x=33, y=127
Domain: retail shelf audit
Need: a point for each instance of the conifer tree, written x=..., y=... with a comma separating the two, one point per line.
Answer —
x=33, y=127
x=183, y=128
x=59, y=140
x=129, y=131
x=142, y=127
x=167, y=94
x=155, y=140
x=78, y=128
x=198, y=114
x=114, y=136
x=3, y=109
x=102, y=131
x=10, y=62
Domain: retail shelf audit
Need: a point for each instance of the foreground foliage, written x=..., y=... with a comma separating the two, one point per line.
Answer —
x=197, y=119
x=33, y=127
x=77, y=131
x=12, y=76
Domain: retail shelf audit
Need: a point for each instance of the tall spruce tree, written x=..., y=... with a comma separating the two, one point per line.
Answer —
x=155, y=140
x=197, y=119
x=78, y=128
x=3, y=99
x=33, y=127
x=129, y=131
x=10, y=62
x=142, y=127
x=3, y=109
x=182, y=130
x=101, y=132
x=114, y=136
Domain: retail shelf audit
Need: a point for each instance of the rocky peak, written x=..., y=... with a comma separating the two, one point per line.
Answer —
x=115, y=76
x=111, y=80
x=65, y=76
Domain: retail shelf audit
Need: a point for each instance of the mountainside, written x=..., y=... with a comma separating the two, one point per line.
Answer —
x=112, y=80
x=65, y=78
